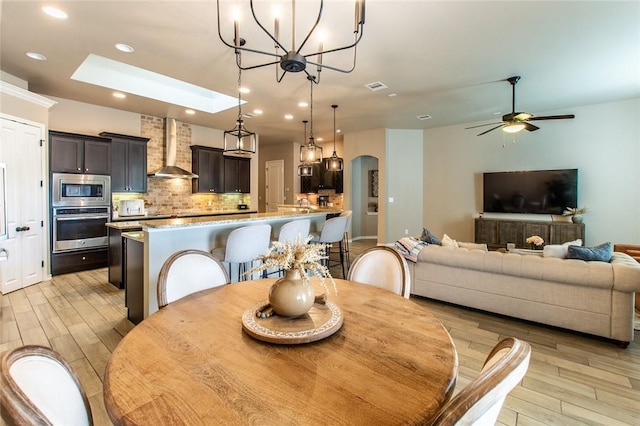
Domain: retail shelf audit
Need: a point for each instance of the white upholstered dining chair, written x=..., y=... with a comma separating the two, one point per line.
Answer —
x=479, y=403
x=189, y=271
x=38, y=387
x=382, y=267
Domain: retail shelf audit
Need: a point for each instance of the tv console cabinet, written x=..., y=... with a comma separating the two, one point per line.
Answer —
x=496, y=233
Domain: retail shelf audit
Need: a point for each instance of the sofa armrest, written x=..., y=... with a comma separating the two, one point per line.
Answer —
x=626, y=273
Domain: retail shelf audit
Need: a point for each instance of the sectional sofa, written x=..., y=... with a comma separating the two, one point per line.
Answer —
x=590, y=297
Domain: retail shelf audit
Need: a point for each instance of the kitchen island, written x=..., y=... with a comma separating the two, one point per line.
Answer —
x=164, y=237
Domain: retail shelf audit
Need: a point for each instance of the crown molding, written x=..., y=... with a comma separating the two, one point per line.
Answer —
x=18, y=92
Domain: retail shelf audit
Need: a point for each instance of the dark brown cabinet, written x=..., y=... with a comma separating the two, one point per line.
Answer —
x=321, y=178
x=73, y=153
x=208, y=164
x=237, y=175
x=128, y=162
x=497, y=233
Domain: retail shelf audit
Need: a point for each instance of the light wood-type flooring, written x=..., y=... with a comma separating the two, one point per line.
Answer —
x=572, y=379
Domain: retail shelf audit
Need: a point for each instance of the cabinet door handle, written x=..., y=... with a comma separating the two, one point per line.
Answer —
x=79, y=169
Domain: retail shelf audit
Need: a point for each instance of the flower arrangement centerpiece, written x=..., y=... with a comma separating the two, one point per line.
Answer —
x=293, y=295
x=575, y=213
x=535, y=241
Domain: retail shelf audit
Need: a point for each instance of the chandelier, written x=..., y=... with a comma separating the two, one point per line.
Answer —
x=305, y=169
x=334, y=163
x=296, y=58
x=239, y=140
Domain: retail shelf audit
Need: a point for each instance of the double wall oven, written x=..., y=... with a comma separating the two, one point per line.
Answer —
x=81, y=206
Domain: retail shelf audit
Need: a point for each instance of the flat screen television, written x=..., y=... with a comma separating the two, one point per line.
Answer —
x=537, y=191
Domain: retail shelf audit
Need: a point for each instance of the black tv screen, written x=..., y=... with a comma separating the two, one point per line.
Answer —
x=539, y=191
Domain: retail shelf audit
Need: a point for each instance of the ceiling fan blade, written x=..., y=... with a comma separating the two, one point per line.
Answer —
x=481, y=125
x=553, y=117
x=487, y=131
x=530, y=127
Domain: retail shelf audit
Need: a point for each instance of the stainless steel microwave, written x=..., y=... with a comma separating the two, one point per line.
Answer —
x=78, y=190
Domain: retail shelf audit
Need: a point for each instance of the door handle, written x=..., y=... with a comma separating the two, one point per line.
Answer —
x=23, y=228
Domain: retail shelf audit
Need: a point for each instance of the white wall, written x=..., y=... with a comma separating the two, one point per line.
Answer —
x=602, y=142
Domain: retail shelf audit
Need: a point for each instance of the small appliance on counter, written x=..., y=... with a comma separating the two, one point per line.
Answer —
x=131, y=208
x=243, y=207
x=323, y=200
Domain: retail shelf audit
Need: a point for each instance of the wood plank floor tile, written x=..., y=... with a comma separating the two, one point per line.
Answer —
x=9, y=332
x=540, y=414
x=27, y=320
x=34, y=336
x=67, y=347
x=596, y=418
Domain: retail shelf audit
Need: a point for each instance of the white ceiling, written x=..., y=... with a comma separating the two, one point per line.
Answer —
x=442, y=58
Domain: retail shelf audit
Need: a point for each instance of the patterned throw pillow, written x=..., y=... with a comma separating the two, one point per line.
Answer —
x=428, y=237
x=601, y=253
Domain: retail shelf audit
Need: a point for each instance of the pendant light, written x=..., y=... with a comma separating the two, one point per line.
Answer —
x=239, y=140
x=305, y=169
x=334, y=163
x=310, y=153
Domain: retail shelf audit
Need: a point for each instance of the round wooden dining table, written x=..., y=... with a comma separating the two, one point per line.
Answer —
x=391, y=362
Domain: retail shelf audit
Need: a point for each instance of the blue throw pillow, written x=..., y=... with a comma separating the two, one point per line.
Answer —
x=429, y=238
x=601, y=253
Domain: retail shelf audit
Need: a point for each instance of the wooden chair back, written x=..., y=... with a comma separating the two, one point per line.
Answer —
x=38, y=387
x=189, y=271
x=382, y=267
x=480, y=402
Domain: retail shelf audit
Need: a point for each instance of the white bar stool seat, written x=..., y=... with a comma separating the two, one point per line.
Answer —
x=333, y=232
x=243, y=247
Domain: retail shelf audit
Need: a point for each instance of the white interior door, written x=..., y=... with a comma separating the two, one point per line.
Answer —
x=24, y=249
x=274, y=184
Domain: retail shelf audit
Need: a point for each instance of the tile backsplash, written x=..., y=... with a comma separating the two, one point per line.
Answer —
x=166, y=196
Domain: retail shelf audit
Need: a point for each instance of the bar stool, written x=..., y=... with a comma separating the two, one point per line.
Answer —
x=345, y=241
x=243, y=247
x=290, y=231
x=332, y=232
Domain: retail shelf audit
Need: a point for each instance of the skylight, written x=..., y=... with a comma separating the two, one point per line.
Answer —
x=130, y=79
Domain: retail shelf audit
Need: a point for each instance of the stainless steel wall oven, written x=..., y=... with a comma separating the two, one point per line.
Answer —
x=80, y=228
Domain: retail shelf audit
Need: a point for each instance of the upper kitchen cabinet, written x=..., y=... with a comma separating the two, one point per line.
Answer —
x=237, y=175
x=73, y=153
x=128, y=162
x=321, y=178
x=208, y=164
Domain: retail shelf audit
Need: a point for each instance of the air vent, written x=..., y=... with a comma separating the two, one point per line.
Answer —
x=248, y=115
x=375, y=86
x=423, y=117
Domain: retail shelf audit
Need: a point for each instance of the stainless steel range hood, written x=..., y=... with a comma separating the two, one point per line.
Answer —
x=170, y=170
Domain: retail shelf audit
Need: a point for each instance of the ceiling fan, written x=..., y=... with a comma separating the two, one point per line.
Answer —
x=516, y=121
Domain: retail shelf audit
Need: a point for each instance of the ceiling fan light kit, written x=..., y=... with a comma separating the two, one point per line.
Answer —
x=515, y=122
x=292, y=59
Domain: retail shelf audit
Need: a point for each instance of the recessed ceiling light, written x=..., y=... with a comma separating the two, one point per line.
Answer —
x=338, y=131
x=257, y=111
x=497, y=113
x=319, y=139
x=244, y=90
x=36, y=56
x=55, y=12
x=303, y=104
x=124, y=48
x=392, y=95
x=119, y=95
x=288, y=117
x=423, y=117
x=189, y=111
x=119, y=76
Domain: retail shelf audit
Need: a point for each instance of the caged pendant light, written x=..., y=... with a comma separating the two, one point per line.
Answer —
x=296, y=58
x=239, y=140
x=310, y=153
x=305, y=169
x=334, y=163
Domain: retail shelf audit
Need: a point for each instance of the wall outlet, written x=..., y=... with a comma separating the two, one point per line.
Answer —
x=209, y=203
x=406, y=232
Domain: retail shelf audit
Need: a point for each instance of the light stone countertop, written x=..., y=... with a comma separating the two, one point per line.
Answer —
x=226, y=219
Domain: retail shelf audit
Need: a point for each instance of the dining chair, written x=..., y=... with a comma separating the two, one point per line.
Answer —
x=382, y=267
x=189, y=271
x=480, y=402
x=38, y=387
x=332, y=233
x=243, y=247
